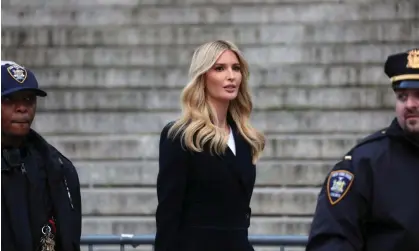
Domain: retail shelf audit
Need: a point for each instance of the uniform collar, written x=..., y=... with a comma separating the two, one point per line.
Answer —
x=395, y=130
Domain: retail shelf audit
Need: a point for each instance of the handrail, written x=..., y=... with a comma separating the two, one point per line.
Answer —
x=148, y=239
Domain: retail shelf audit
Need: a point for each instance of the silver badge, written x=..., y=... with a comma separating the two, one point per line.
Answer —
x=17, y=72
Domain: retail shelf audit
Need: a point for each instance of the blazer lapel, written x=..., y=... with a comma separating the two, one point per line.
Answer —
x=235, y=162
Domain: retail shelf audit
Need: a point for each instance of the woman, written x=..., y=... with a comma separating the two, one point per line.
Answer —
x=207, y=158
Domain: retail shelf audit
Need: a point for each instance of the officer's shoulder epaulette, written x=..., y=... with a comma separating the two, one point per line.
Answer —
x=373, y=137
x=380, y=134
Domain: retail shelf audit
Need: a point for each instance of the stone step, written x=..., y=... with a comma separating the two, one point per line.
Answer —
x=267, y=121
x=144, y=173
x=144, y=3
x=355, y=32
x=168, y=56
x=145, y=147
x=143, y=201
x=147, y=225
x=284, y=76
x=263, y=98
x=151, y=15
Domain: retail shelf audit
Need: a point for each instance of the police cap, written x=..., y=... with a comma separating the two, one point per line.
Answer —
x=403, y=69
x=15, y=77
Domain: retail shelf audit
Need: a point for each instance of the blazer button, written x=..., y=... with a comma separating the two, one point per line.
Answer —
x=247, y=216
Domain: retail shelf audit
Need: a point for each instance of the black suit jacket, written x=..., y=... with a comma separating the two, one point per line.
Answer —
x=203, y=199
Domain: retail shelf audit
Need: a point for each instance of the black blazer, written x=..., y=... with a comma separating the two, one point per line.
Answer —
x=203, y=199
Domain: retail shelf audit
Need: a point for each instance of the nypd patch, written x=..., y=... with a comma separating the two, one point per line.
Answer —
x=338, y=185
x=17, y=72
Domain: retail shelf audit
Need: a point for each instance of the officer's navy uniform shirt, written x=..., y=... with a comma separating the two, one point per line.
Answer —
x=370, y=201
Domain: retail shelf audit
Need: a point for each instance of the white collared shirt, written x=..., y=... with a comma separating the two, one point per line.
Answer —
x=231, y=143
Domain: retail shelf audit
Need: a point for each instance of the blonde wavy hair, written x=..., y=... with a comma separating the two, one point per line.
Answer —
x=196, y=123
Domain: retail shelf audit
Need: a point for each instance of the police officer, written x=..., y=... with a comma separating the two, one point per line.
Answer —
x=40, y=190
x=370, y=199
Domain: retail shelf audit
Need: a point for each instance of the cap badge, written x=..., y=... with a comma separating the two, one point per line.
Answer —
x=413, y=59
x=17, y=72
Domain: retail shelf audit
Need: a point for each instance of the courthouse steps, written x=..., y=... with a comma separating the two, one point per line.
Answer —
x=114, y=69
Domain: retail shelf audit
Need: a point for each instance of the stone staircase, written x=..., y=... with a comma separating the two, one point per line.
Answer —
x=114, y=70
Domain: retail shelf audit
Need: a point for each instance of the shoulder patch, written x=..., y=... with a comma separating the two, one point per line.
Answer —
x=338, y=185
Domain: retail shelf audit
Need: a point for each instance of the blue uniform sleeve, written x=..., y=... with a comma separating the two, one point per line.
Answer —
x=342, y=207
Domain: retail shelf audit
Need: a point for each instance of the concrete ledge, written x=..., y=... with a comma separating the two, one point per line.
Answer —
x=286, y=99
x=145, y=147
x=282, y=77
x=292, y=122
x=144, y=173
x=146, y=225
x=145, y=3
x=143, y=201
x=168, y=56
x=249, y=34
x=153, y=15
